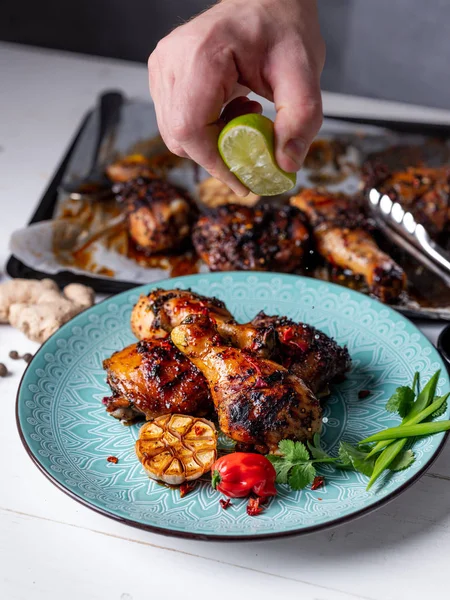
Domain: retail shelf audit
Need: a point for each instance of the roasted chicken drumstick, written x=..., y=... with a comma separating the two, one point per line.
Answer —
x=342, y=239
x=156, y=314
x=153, y=378
x=258, y=402
x=159, y=216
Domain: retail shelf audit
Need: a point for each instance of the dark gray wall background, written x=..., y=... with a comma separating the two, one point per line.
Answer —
x=398, y=50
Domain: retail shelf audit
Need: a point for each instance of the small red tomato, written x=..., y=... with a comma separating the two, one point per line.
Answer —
x=239, y=474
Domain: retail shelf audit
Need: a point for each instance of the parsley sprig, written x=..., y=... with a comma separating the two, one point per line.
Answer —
x=295, y=463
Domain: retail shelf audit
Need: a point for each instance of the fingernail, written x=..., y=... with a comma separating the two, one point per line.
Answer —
x=295, y=149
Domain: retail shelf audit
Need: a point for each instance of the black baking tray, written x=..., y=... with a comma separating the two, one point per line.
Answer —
x=16, y=268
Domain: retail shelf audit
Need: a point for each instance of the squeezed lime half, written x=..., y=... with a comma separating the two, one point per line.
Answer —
x=246, y=145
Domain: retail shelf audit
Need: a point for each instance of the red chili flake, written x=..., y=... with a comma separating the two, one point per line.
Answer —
x=225, y=503
x=259, y=383
x=185, y=488
x=288, y=338
x=113, y=459
x=198, y=430
x=106, y=400
x=288, y=334
x=317, y=483
x=363, y=394
x=254, y=364
x=253, y=507
x=319, y=499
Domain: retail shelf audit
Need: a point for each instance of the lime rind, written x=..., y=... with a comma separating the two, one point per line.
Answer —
x=246, y=145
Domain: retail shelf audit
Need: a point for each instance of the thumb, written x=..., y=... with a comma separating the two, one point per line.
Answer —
x=298, y=102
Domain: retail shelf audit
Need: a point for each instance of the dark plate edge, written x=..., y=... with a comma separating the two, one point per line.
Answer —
x=222, y=538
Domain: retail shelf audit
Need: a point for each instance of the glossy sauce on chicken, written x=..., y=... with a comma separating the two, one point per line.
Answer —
x=258, y=402
x=153, y=378
x=156, y=314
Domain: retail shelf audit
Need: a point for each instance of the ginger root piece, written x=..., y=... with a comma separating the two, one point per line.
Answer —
x=27, y=291
x=213, y=192
x=39, y=308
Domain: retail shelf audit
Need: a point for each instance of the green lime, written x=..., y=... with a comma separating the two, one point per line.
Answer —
x=246, y=145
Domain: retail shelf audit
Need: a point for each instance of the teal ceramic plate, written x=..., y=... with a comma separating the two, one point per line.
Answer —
x=68, y=434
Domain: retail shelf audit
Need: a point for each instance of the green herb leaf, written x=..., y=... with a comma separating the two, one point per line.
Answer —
x=404, y=460
x=442, y=409
x=357, y=458
x=385, y=459
x=426, y=396
x=416, y=383
x=407, y=431
x=282, y=467
x=430, y=410
x=293, y=451
x=315, y=448
x=301, y=475
x=401, y=401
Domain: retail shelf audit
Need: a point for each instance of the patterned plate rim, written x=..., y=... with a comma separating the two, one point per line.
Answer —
x=219, y=537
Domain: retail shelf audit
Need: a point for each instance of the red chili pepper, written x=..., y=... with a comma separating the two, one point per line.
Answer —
x=317, y=483
x=240, y=473
x=254, y=507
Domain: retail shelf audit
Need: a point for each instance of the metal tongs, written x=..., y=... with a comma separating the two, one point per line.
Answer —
x=401, y=227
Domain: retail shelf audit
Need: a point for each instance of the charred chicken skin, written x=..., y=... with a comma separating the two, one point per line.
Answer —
x=258, y=402
x=153, y=378
x=425, y=192
x=306, y=352
x=159, y=216
x=341, y=236
x=264, y=238
x=156, y=314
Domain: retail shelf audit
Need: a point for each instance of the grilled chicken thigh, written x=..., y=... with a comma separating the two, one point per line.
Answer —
x=153, y=378
x=234, y=237
x=306, y=352
x=258, y=402
x=159, y=216
x=342, y=239
x=156, y=314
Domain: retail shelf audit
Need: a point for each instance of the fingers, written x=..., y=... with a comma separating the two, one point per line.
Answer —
x=296, y=91
x=161, y=85
x=240, y=106
x=188, y=106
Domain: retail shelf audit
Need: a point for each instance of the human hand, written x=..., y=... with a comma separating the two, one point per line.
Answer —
x=271, y=47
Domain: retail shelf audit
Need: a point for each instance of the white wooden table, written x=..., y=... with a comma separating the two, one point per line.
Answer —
x=51, y=547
